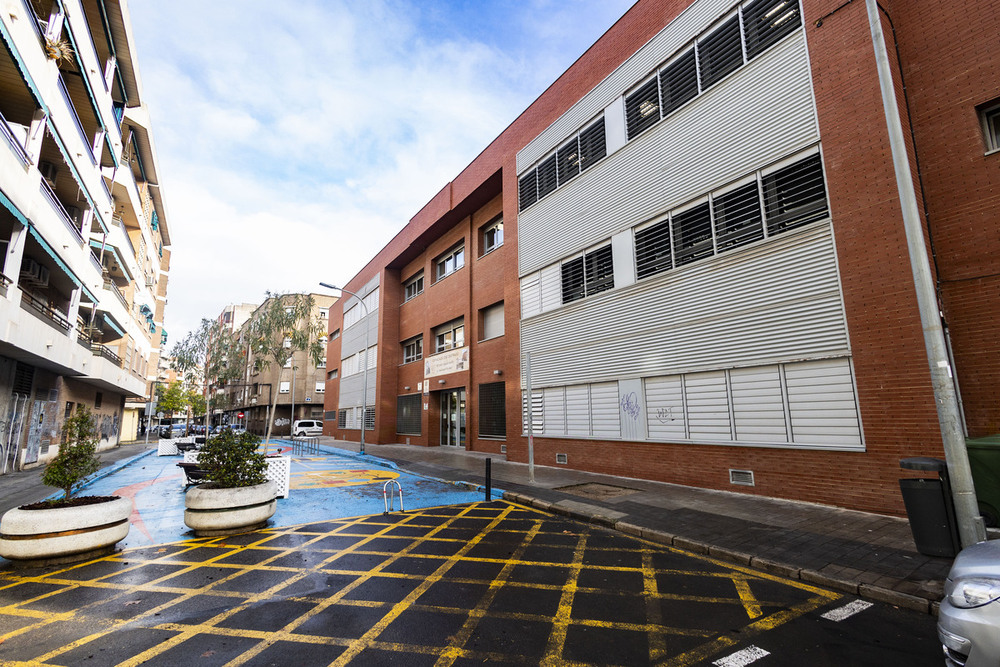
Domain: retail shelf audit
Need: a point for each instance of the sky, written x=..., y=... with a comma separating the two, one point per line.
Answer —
x=295, y=139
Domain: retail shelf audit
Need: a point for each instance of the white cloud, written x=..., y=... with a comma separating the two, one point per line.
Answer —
x=296, y=139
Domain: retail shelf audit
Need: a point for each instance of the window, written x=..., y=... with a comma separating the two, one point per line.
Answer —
x=737, y=217
x=288, y=363
x=342, y=418
x=493, y=410
x=332, y=375
x=568, y=160
x=451, y=262
x=284, y=387
x=413, y=287
x=767, y=21
x=287, y=342
x=322, y=363
x=370, y=418
x=642, y=108
x=320, y=387
x=413, y=349
x=449, y=336
x=492, y=321
x=692, y=231
x=492, y=236
x=575, y=156
x=720, y=53
x=98, y=400
x=408, y=414
x=990, y=118
x=588, y=274
x=324, y=314
x=794, y=195
x=652, y=249
x=334, y=335
x=593, y=144
x=679, y=82
x=527, y=190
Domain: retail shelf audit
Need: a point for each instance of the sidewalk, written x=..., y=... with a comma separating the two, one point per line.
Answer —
x=855, y=552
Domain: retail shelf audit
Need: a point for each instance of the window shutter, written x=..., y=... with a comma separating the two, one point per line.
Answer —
x=679, y=82
x=593, y=145
x=527, y=189
x=708, y=406
x=652, y=250
x=720, y=52
x=737, y=217
x=578, y=410
x=794, y=195
x=767, y=21
x=604, y=406
x=572, y=280
x=642, y=108
x=758, y=407
x=493, y=321
x=821, y=403
x=600, y=270
x=547, y=177
x=568, y=158
x=692, y=234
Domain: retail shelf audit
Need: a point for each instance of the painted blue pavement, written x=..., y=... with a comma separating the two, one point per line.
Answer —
x=330, y=484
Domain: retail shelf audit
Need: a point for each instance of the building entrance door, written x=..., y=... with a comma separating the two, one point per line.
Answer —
x=453, y=418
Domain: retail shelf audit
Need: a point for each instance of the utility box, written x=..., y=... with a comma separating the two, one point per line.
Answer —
x=984, y=459
x=929, y=508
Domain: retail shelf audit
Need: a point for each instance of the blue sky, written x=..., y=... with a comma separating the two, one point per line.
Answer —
x=293, y=145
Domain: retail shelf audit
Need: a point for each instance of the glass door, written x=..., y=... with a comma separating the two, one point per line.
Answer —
x=453, y=418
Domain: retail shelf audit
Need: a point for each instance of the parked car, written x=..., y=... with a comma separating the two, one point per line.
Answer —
x=172, y=430
x=307, y=427
x=969, y=618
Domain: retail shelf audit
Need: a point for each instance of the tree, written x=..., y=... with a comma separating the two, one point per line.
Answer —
x=173, y=398
x=281, y=326
x=208, y=356
x=77, y=458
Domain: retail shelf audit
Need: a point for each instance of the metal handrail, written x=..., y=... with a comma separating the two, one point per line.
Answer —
x=43, y=309
x=79, y=124
x=104, y=351
x=60, y=210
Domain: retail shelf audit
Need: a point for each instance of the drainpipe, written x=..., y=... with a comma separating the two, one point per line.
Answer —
x=970, y=525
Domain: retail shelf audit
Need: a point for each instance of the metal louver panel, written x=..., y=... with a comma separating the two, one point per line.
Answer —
x=720, y=53
x=758, y=407
x=568, y=158
x=652, y=250
x=737, y=217
x=604, y=410
x=821, y=402
x=795, y=195
x=678, y=159
x=665, y=416
x=707, y=402
x=527, y=190
x=578, y=411
x=767, y=21
x=763, y=304
x=530, y=296
x=593, y=145
x=692, y=231
x=551, y=286
x=642, y=108
x=572, y=280
x=554, y=405
x=600, y=270
x=547, y=180
x=678, y=82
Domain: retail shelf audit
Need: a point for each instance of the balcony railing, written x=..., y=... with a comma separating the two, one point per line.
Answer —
x=47, y=313
x=79, y=125
x=16, y=143
x=60, y=210
x=111, y=287
x=105, y=352
x=4, y=284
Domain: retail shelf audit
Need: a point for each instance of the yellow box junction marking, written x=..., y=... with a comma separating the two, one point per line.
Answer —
x=439, y=539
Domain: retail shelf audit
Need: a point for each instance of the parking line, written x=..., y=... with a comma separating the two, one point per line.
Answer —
x=742, y=658
x=850, y=609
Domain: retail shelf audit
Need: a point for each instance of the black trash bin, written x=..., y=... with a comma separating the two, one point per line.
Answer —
x=929, y=508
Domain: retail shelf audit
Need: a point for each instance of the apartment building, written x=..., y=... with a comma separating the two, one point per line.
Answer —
x=83, y=227
x=299, y=386
x=691, y=248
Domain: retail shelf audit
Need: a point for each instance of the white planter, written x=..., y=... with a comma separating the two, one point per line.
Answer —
x=225, y=511
x=63, y=531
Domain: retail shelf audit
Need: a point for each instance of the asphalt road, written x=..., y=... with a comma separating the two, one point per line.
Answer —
x=487, y=583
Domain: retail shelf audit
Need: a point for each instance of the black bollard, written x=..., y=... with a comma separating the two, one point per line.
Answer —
x=489, y=480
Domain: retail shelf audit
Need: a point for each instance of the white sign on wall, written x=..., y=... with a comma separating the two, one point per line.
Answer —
x=444, y=363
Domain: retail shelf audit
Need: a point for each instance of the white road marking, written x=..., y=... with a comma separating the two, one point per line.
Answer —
x=846, y=611
x=742, y=658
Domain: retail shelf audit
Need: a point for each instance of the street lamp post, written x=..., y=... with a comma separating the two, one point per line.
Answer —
x=364, y=396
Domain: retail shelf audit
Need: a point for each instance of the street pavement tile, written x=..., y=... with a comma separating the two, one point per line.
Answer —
x=457, y=594
x=382, y=658
x=267, y=615
x=111, y=649
x=606, y=646
x=526, y=600
x=198, y=577
x=285, y=653
x=249, y=556
x=544, y=574
x=201, y=649
x=383, y=589
x=622, y=608
x=424, y=627
x=253, y=581
x=512, y=585
x=510, y=636
x=343, y=621
x=319, y=585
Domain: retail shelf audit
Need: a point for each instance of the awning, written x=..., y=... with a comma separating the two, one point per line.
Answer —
x=116, y=252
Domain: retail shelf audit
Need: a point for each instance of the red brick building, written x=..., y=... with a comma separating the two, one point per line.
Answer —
x=696, y=233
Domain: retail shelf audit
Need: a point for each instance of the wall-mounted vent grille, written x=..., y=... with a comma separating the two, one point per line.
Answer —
x=562, y=458
x=741, y=477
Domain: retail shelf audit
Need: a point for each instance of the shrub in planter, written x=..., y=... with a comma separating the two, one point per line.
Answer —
x=238, y=496
x=67, y=528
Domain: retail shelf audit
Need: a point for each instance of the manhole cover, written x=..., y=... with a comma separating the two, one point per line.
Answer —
x=597, y=491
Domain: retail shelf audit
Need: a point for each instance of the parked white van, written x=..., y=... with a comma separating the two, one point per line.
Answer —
x=307, y=427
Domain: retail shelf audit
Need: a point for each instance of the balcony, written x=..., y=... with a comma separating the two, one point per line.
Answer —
x=36, y=305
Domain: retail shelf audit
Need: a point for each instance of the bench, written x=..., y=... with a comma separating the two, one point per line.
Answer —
x=192, y=474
